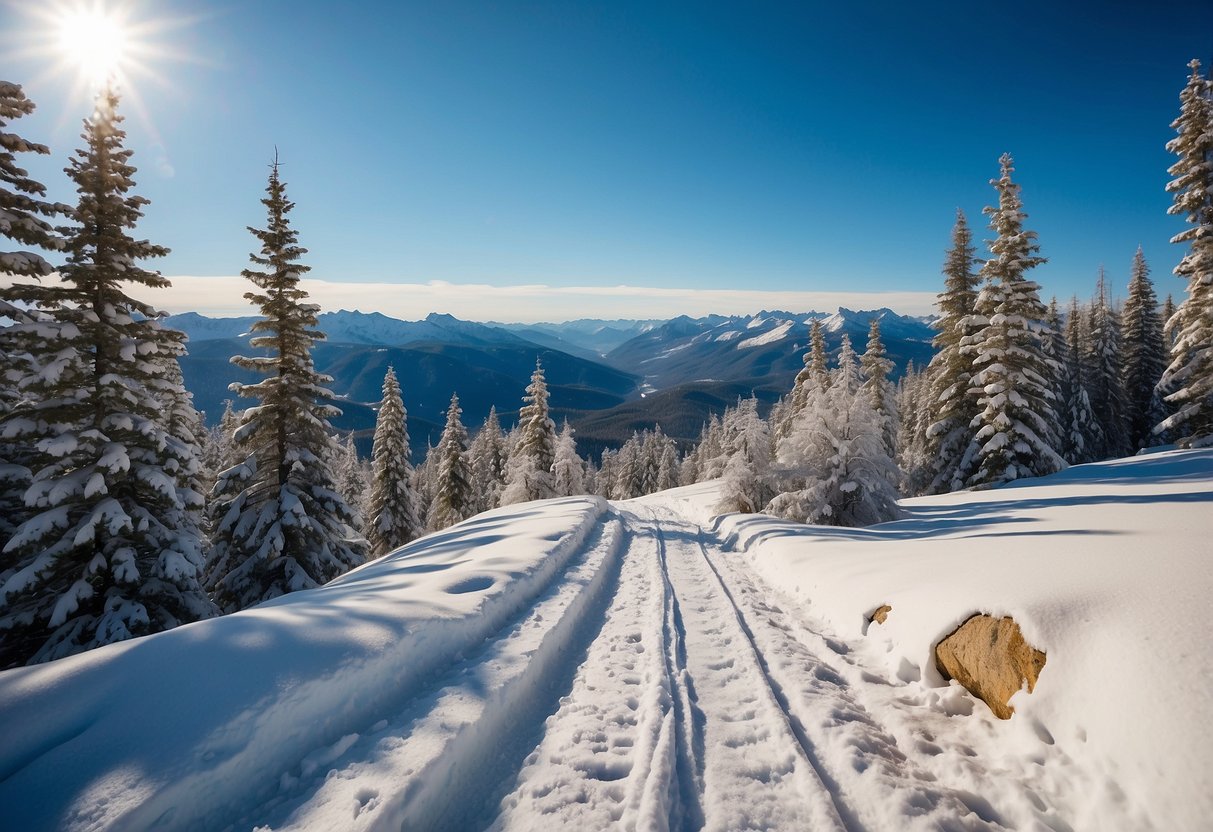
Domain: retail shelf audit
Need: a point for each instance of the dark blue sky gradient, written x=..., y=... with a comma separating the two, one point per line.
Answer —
x=799, y=146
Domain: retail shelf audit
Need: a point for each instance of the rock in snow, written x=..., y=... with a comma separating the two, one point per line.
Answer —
x=990, y=658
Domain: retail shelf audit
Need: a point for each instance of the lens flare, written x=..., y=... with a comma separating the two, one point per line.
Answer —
x=95, y=42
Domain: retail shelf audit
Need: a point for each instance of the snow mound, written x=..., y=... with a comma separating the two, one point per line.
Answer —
x=198, y=727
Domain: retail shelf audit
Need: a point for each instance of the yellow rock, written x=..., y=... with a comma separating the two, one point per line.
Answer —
x=991, y=659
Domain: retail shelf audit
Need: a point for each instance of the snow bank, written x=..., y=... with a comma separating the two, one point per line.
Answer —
x=1107, y=567
x=191, y=728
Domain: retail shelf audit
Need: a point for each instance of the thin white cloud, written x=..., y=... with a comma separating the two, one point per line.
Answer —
x=526, y=303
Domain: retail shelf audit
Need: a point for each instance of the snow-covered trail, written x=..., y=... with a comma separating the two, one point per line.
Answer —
x=656, y=685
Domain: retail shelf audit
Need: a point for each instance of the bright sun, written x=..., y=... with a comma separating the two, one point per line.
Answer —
x=95, y=42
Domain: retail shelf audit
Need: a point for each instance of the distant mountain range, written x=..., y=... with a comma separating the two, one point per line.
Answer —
x=607, y=377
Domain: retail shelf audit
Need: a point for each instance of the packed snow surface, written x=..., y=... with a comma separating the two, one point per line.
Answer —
x=645, y=665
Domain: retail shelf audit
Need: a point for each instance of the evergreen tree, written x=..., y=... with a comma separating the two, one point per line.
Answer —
x=280, y=524
x=835, y=469
x=746, y=474
x=1081, y=434
x=668, y=467
x=949, y=409
x=453, y=499
x=1142, y=349
x=1168, y=315
x=489, y=458
x=1013, y=381
x=24, y=219
x=351, y=481
x=110, y=549
x=627, y=475
x=568, y=471
x=880, y=390
x=392, y=515
x=529, y=476
x=25, y=216
x=815, y=372
x=1188, y=379
x=1102, y=362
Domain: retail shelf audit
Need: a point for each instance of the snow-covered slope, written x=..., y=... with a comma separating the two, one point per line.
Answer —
x=639, y=665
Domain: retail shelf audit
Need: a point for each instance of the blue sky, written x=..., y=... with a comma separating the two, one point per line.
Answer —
x=779, y=147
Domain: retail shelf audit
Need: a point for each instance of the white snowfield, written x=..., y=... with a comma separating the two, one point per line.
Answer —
x=643, y=665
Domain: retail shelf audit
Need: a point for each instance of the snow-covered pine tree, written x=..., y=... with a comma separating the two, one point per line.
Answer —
x=607, y=471
x=815, y=371
x=109, y=550
x=1013, y=381
x=880, y=390
x=392, y=518
x=949, y=408
x=1188, y=380
x=25, y=219
x=627, y=475
x=529, y=472
x=1103, y=373
x=1080, y=432
x=848, y=372
x=1168, y=315
x=351, y=481
x=835, y=459
x=217, y=453
x=489, y=457
x=280, y=524
x=746, y=486
x=668, y=467
x=568, y=471
x=453, y=499
x=1143, y=356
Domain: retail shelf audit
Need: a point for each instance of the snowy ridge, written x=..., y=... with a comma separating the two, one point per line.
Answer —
x=293, y=683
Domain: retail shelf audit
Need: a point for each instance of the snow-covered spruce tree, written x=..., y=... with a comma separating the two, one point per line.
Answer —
x=1013, y=381
x=815, y=372
x=279, y=522
x=1188, y=379
x=217, y=454
x=489, y=457
x=1103, y=374
x=627, y=474
x=453, y=499
x=568, y=471
x=392, y=516
x=668, y=468
x=529, y=472
x=1142, y=354
x=109, y=549
x=835, y=456
x=605, y=481
x=950, y=410
x=1080, y=432
x=25, y=219
x=746, y=486
x=880, y=390
x=351, y=480
x=1168, y=315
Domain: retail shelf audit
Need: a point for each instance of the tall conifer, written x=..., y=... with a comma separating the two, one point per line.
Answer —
x=1013, y=382
x=1188, y=379
x=112, y=549
x=280, y=523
